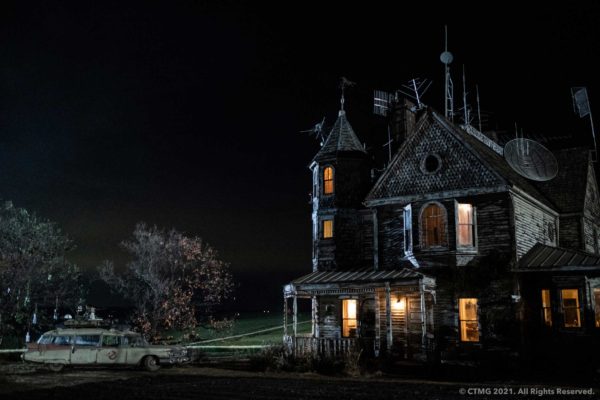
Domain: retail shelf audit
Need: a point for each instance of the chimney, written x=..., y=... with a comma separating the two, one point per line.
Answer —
x=403, y=121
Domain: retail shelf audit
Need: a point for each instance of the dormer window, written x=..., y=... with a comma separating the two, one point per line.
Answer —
x=433, y=226
x=465, y=225
x=328, y=180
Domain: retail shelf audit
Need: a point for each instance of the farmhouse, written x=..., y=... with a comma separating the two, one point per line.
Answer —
x=448, y=252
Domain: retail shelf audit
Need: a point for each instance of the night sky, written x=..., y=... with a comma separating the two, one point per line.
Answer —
x=187, y=114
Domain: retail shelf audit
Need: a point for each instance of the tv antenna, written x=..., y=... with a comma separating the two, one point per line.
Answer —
x=581, y=105
x=478, y=108
x=530, y=158
x=318, y=131
x=446, y=57
x=466, y=113
x=415, y=89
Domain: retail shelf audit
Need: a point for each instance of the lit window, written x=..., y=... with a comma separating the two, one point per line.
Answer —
x=433, y=224
x=408, y=247
x=349, y=322
x=327, y=228
x=546, y=307
x=469, y=324
x=465, y=230
x=328, y=180
x=597, y=309
x=570, y=306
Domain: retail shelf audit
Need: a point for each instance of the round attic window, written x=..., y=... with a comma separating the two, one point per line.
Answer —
x=431, y=163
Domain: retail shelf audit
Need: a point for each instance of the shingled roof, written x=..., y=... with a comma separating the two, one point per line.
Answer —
x=567, y=190
x=341, y=139
x=544, y=258
x=360, y=275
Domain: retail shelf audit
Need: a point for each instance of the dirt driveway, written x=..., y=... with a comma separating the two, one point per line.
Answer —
x=26, y=382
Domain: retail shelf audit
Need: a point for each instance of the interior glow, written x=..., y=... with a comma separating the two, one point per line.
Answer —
x=469, y=323
x=570, y=306
x=400, y=303
x=328, y=180
x=349, y=320
x=327, y=229
x=465, y=225
x=546, y=307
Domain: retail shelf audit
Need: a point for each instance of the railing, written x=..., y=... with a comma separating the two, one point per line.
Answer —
x=300, y=345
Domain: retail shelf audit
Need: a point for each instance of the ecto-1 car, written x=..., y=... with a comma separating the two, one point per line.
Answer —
x=99, y=346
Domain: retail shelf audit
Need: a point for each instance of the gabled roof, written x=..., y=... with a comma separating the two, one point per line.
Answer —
x=567, y=190
x=361, y=275
x=341, y=139
x=545, y=258
x=494, y=169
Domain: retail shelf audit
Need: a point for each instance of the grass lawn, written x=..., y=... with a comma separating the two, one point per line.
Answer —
x=252, y=329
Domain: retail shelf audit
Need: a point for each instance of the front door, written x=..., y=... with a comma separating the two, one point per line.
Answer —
x=367, y=326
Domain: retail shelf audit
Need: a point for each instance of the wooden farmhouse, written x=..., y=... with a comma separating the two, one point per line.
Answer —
x=448, y=253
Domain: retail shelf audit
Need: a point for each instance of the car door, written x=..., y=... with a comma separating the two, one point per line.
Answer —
x=85, y=349
x=111, y=351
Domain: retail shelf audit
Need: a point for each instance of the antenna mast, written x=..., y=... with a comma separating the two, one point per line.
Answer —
x=478, y=108
x=446, y=57
x=465, y=108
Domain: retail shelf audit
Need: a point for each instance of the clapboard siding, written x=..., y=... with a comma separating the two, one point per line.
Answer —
x=532, y=225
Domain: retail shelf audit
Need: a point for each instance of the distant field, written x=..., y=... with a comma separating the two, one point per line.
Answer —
x=248, y=330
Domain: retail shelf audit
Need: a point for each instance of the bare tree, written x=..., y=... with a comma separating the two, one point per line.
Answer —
x=170, y=275
x=33, y=270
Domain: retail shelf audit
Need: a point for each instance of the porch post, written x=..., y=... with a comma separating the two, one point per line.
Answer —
x=388, y=315
x=423, y=316
x=285, y=322
x=315, y=317
x=295, y=316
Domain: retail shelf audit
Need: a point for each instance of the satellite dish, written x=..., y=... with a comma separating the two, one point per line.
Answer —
x=530, y=159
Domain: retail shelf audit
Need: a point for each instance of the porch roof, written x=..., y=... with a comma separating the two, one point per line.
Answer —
x=548, y=258
x=359, y=275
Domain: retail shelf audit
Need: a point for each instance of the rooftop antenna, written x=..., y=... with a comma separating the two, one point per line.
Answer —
x=478, y=108
x=415, y=89
x=581, y=105
x=344, y=83
x=318, y=131
x=465, y=108
x=446, y=57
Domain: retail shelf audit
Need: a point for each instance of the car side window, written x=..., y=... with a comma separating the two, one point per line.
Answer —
x=45, y=339
x=62, y=340
x=133, y=341
x=87, y=340
x=110, y=341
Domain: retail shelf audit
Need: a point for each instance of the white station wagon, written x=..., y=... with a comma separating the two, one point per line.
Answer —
x=98, y=346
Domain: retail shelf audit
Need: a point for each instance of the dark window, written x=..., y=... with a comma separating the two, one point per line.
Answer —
x=408, y=247
x=433, y=226
x=431, y=163
x=87, y=340
x=110, y=341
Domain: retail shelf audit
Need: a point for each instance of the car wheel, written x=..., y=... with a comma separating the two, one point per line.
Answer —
x=151, y=364
x=56, y=367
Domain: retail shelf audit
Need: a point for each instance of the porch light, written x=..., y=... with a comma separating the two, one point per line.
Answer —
x=400, y=303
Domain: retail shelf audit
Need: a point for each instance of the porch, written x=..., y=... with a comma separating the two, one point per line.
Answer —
x=374, y=311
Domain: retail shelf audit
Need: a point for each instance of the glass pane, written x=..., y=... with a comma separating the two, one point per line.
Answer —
x=465, y=235
x=468, y=309
x=465, y=214
x=327, y=228
x=349, y=318
x=570, y=305
x=469, y=331
x=433, y=223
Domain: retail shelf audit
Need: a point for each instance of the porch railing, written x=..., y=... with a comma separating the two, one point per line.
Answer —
x=333, y=347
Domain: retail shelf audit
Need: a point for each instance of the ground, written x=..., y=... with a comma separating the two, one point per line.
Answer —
x=24, y=381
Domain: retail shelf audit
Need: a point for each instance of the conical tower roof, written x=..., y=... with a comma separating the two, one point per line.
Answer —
x=341, y=139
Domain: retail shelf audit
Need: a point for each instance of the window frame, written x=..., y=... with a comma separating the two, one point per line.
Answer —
x=546, y=309
x=463, y=338
x=327, y=180
x=473, y=224
x=443, y=245
x=346, y=319
x=407, y=215
x=596, y=298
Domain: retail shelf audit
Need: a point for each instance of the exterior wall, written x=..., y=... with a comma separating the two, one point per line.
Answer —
x=570, y=232
x=533, y=225
x=591, y=235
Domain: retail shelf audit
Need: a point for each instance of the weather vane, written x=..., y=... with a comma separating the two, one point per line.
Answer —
x=318, y=130
x=344, y=83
